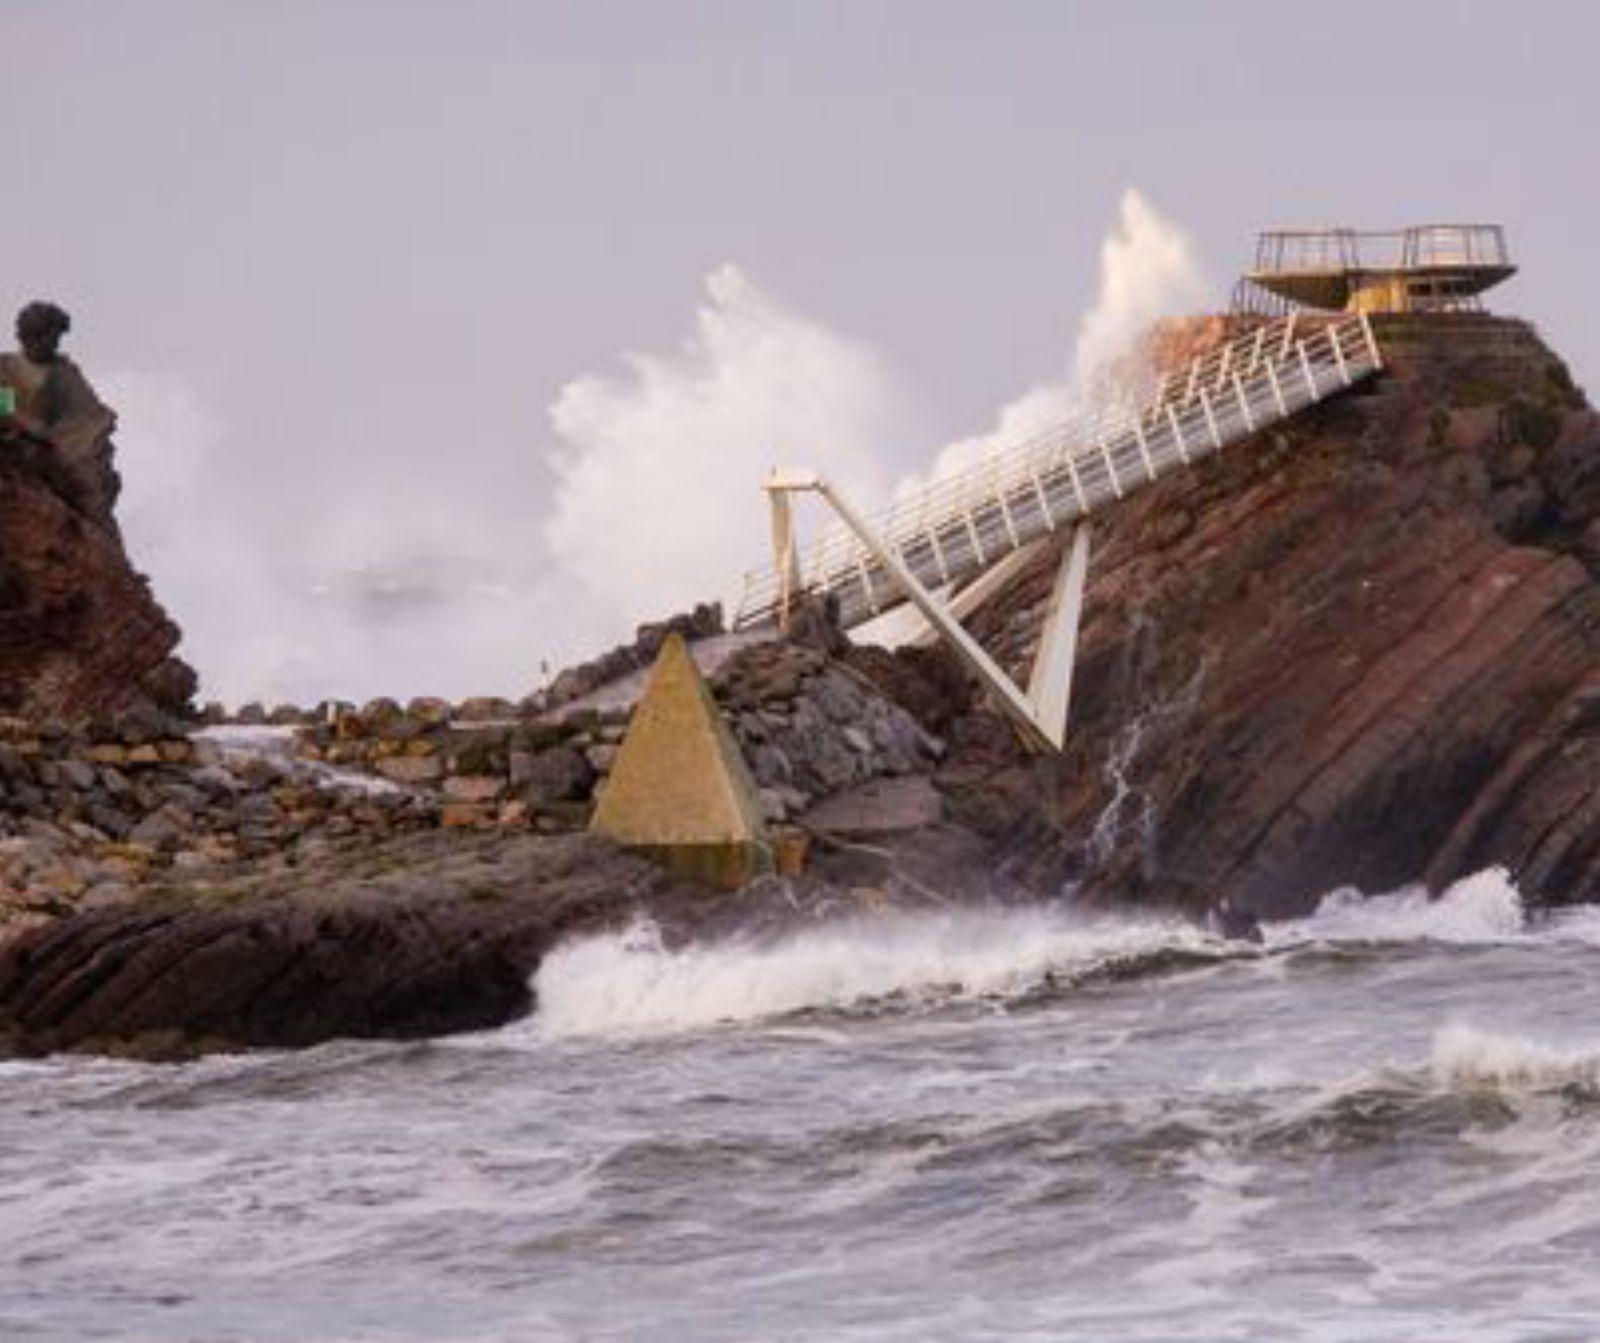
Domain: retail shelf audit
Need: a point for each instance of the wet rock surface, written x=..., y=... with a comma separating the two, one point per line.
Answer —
x=425, y=934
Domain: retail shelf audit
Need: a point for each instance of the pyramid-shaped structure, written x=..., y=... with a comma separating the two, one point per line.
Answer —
x=679, y=788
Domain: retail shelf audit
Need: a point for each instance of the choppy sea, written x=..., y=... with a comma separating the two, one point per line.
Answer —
x=1383, y=1124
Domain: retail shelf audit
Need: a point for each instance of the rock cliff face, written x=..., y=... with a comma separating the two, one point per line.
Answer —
x=1364, y=648
x=80, y=633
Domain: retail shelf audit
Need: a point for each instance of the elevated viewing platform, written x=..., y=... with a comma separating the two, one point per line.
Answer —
x=1431, y=268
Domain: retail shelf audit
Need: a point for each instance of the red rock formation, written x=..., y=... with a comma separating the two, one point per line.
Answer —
x=1361, y=648
x=80, y=633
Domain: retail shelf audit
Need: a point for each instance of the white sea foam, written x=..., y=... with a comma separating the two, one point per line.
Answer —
x=1484, y=907
x=1464, y=1056
x=630, y=982
x=238, y=743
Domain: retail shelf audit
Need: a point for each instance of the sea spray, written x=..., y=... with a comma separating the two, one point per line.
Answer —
x=1148, y=271
x=1483, y=907
x=630, y=982
x=1465, y=1056
x=657, y=463
x=657, y=468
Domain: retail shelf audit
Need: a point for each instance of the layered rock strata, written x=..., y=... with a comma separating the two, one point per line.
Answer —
x=1361, y=649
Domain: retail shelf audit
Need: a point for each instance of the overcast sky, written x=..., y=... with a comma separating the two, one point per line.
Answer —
x=359, y=274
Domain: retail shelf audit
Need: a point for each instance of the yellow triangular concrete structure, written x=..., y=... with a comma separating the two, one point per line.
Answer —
x=679, y=788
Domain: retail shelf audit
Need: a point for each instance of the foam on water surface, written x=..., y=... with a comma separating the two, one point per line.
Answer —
x=630, y=981
x=1482, y=908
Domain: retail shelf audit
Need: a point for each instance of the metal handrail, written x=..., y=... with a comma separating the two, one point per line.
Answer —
x=956, y=526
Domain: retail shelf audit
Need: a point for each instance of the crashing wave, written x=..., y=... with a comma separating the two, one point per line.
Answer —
x=630, y=982
x=1466, y=1057
x=1482, y=908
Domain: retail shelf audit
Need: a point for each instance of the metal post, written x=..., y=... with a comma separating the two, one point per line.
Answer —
x=1050, y=681
x=1144, y=448
x=1012, y=700
x=1277, y=389
x=785, y=556
x=1372, y=341
x=1211, y=419
x=1256, y=349
x=1338, y=354
x=1305, y=367
x=1044, y=500
x=1077, y=485
x=1244, y=403
x=1177, y=432
x=1111, y=468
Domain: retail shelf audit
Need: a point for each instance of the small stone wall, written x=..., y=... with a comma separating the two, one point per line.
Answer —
x=93, y=815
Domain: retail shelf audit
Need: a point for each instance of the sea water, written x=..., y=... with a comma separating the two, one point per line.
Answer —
x=1381, y=1124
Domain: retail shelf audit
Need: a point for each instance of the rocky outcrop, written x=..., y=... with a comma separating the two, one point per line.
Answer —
x=81, y=635
x=1363, y=648
x=437, y=934
x=573, y=683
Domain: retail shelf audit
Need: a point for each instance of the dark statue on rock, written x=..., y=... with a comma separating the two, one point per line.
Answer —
x=81, y=633
x=58, y=419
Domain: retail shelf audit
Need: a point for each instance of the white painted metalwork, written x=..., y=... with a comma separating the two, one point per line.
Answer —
x=954, y=529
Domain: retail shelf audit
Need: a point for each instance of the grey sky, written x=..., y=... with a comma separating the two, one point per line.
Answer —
x=376, y=239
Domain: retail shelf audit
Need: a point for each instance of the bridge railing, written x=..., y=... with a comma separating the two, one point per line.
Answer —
x=955, y=527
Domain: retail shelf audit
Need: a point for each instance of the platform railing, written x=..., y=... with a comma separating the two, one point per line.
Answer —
x=1299, y=251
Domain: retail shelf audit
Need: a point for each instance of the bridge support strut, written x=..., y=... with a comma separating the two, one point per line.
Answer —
x=1040, y=713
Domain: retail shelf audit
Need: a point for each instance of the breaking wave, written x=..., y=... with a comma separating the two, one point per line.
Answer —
x=1484, y=907
x=1466, y=1057
x=630, y=982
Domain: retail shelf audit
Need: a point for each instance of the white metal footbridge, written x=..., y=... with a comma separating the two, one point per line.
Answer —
x=947, y=545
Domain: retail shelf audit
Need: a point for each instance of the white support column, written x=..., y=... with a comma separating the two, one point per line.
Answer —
x=1050, y=681
x=1305, y=367
x=1223, y=368
x=1077, y=485
x=1372, y=341
x=1014, y=703
x=1211, y=419
x=1256, y=349
x=1005, y=517
x=972, y=532
x=1177, y=433
x=865, y=575
x=1111, y=467
x=1044, y=500
x=1338, y=354
x=1244, y=403
x=785, y=553
x=938, y=553
x=1144, y=448
x=1277, y=388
